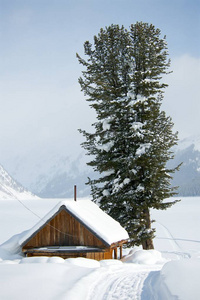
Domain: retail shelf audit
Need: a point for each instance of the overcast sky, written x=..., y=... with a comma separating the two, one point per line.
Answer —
x=41, y=106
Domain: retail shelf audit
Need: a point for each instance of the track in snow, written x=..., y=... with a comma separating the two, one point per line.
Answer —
x=138, y=283
x=121, y=284
x=177, y=250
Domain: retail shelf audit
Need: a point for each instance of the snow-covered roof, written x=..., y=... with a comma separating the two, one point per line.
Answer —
x=101, y=224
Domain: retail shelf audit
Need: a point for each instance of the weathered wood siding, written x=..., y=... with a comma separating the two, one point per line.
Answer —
x=93, y=255
x=63, y=230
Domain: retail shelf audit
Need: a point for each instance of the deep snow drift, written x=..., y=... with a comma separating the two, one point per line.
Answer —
x=172, y=271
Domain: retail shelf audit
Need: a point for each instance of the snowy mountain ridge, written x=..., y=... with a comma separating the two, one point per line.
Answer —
x=187, y=142
x=59, y=180
x=10, y=189
x=188, y=177
x=60, y=177
x=53, y=175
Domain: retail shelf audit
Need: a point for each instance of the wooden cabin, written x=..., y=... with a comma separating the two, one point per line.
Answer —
x=75, y=229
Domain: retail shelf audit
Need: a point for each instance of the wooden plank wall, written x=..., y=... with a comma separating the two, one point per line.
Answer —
x=63, y=230
x=93, y=255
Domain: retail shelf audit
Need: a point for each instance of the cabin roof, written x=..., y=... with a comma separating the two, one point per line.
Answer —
x=89, y=214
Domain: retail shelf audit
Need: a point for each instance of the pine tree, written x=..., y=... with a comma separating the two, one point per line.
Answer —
x=132, y=137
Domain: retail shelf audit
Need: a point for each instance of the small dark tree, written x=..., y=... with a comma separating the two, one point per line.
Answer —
x=132, y=139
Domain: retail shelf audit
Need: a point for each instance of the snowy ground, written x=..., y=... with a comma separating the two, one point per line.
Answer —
x=170, y=272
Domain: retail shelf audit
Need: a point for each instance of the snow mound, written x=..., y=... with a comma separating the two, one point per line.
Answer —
x=11, y=248
x=147, y=257
x=83, y=262
x=110, y=262
x=34, y=260
x=182, y=278
x=56, y=260
x=9, y=262
x=42, y=260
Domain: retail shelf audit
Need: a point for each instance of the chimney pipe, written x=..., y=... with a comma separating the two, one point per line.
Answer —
x=75, y=193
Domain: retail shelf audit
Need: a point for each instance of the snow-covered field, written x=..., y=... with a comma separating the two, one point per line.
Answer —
x=172, y=271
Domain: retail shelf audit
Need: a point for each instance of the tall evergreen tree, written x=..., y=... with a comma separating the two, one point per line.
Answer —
x=132, y=136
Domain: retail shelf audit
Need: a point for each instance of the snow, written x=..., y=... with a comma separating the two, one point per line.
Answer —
x=106, y=124
x=65, y=248
x=109, y=172
x=38, y=280
x=139, y=256
x=126, y=181
x=186, y=285
x=140, y=188
x=10, y=189
x=117, y=185
x=106, y=193
x=189, y=141
x=106, y=146
x=143, y=148
x=172, y=271
x=137, y=125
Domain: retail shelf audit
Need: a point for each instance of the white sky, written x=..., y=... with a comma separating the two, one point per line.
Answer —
x=41, y=106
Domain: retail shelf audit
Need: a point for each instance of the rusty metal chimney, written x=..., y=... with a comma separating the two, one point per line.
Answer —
x=75, y=193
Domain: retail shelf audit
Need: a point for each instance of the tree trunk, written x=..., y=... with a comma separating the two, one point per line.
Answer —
x=148, y=243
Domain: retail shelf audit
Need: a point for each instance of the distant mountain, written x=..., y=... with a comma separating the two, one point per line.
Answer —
x=64, y=173
x=54, y=176
x=59, y=179
x=10, y=189
x=188, y=178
